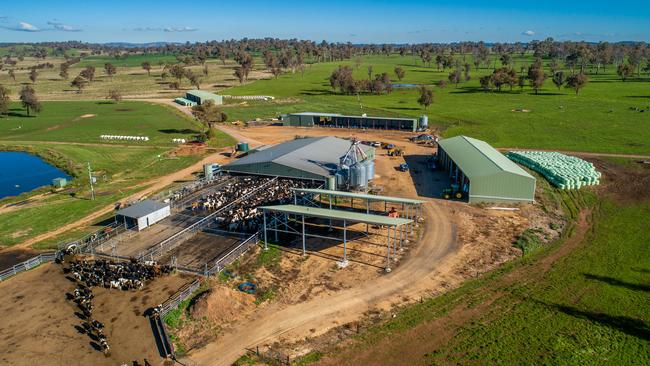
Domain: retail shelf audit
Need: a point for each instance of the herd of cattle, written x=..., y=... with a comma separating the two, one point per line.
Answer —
x=123, y=276
x=243, y=215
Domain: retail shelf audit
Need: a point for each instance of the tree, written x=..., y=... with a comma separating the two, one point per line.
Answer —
x=29, y=100
x=426, y=97
x=467, y=70
x=454, y=77
x=115, y=95
x=625, y=71
x=369, y=72
x=79, y=82
x=505, y=59
x=239, y=74
x=4, y=100
x=194, y=79
x=88, y=73
x=12, y=74
x=558, y=79
x=110, y=69
x=147, y=67
x=577, y=82
x=399, y=72
x=441, y=84
x=208, y=113
x=178, y=72
x=536, y=77
x=206, y=71
x=33, y=75
x=64, y=70
x=358, y=61
x=485, y=82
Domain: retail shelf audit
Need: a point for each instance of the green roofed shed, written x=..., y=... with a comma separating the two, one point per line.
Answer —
x=200, y=96
x=483, y=173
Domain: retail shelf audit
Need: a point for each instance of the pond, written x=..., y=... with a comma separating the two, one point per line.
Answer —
x=405, y=86
x=22, y=172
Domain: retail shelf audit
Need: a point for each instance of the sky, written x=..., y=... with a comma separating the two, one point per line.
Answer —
x=379, y=21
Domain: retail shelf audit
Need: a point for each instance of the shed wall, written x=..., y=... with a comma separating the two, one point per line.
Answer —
x=275, y=170
x=502, y=187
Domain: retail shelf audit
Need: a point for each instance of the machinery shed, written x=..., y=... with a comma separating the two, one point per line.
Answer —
x=143, y=214
x=200, y=96
x=315, y=158
x=310, y=119
x=483, y=173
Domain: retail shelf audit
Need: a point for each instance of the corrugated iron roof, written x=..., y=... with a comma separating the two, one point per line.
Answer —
x=315, y=114
x=372, y=197
x=203, y=94
x=477, y=158
x=317, y=155
x=141, y=209
x=339, y=215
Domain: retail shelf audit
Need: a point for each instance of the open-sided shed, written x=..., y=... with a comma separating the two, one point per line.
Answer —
x=143, y=214
x=483, y=173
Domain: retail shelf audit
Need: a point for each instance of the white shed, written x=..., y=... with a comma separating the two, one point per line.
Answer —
x=143, y=214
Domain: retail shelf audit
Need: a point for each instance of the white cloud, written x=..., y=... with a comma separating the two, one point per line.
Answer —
x=146, y=29
x=23, y=27
x=528, y=33
x=63, y=27
x=179, y=29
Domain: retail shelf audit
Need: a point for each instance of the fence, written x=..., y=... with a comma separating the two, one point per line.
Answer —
x=187, y=190
x=27, y=265
x=182, y=294
x=87, y=243
x=168, y=244
x=231, y=256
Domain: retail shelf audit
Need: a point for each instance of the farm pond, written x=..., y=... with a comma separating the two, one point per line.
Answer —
x=22, y=172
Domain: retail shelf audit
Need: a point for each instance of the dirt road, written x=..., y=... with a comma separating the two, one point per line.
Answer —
x=410, y=278
x=586, y=154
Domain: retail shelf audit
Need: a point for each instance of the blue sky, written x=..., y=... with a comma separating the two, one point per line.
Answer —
x=341, y=21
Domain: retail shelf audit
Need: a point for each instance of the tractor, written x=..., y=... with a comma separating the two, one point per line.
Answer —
x=395, y=151
x=453, y=191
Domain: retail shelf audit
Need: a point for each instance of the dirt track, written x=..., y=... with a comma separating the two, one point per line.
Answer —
x=409, y=279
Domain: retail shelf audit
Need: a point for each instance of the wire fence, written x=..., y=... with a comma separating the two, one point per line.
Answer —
x=231, y=256
x=87, y=243
x=27, y=265
x=180, y=296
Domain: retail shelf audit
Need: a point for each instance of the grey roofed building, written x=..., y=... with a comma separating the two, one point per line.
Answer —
x=307, y=158
x=141, y=209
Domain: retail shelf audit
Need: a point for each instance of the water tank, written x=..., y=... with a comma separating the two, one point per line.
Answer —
x=331, y=183
x=340, y=177
x=242, y=146
x=358, y=175
x=370, y=169
x=424, y=121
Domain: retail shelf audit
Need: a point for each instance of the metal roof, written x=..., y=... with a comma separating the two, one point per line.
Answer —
x=348, y=116
x=371, y=197
x=339, y=215
x=316, y=155
x=141, y=209
x=477, y=158
x=203, y=94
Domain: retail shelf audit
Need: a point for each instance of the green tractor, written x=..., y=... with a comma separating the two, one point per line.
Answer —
x=452, y=192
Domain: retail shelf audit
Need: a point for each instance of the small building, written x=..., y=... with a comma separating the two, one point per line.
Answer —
x=313, y=158
x=59, y=182
x=143, y=214
x=185, y=102
x=310, y=119
x=483, y=173
x=200, y=96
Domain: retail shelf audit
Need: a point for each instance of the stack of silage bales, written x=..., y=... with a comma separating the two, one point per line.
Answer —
x=563, y=171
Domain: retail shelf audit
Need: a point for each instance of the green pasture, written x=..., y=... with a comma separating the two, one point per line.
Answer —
x=136, y=60
x=598, y=119
x=63, y=122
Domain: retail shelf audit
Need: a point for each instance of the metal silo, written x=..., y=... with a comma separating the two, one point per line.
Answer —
x=358, y=175
x=370, y=169
x=424, y=121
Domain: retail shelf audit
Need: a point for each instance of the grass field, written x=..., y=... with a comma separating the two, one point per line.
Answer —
x=154, y=59
x=589, y=308
x=598, y=119
x=63, y=138
x=64, y=122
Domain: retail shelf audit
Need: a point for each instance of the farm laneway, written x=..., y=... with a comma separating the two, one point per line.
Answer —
x=411, y=278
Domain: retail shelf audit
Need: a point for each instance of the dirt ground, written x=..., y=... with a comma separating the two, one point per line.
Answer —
x=200, y=249
x=37, y=322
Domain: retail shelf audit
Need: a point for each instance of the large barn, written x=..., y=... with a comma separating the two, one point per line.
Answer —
x=310, y=119
x=483, y=173
x=315, y=158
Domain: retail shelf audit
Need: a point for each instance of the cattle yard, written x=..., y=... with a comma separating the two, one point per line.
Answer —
x=331, y=240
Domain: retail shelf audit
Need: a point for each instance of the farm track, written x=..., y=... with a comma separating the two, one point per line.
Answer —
x=131, y=146
x=411, y=278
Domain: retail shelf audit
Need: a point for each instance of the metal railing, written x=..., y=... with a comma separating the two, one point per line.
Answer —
x=180, y=296
x=231, y=256
x=173, y=241
x=87, y=243
x=27, y=265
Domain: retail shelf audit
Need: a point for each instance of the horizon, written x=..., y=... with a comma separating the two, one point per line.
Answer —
x=410, y=22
